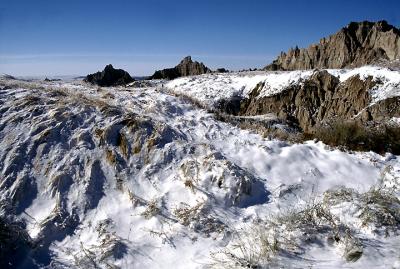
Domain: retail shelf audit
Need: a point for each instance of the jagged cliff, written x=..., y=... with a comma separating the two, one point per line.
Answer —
x=186, y=67
x=357, y=44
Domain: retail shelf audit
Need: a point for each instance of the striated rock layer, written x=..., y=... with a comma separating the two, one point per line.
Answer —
x=357, y=44
x=323, y=98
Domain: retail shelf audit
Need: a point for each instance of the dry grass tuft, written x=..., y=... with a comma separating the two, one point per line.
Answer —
x=151, y=210
x=186, y=214
x=123, y=144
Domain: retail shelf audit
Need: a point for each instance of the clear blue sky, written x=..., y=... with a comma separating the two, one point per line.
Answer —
x=76, y=37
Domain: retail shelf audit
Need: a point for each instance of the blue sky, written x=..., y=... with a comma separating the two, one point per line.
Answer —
x=76, y=37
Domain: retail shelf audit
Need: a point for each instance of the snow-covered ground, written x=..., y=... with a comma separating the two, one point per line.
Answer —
x=138, y=178
x=212, y=88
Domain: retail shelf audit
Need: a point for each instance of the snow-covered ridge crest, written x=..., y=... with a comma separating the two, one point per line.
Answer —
x=211, y=88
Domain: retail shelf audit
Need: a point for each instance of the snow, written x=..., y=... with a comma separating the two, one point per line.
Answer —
x=95, y=200
x=388, y=81
x=209, y=89
x=395, y=120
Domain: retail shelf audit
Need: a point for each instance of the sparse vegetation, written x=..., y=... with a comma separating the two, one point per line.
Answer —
x=110, y=247
x=380, y=208
x=111, y=157
x=123, y=144
x=350, y=135
x=271, y=129
x=190, y=99
x=289, y=232
x=185, y=214
x=356, y=136
x=166, y=239
x=151, y=210
x=252, y=248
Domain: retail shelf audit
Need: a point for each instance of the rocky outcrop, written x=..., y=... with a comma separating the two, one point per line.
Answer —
x=320, y=99
x=51, y=79
x=185, y=68
x=6, y=76
x=109, y=77
x=221, y=70
x=355, y=45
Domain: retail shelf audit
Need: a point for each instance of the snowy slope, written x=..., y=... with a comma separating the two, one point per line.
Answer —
x=137, y=178
x=211, y=88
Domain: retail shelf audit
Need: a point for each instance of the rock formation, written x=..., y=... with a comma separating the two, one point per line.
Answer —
x=51, y=79
x=109, y=77
x=185, y=68
x=323, y=98
x=222, y=70
x=6, y=76
x=355, y=45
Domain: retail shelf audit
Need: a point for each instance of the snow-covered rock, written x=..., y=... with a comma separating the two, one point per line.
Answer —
x=211, y=88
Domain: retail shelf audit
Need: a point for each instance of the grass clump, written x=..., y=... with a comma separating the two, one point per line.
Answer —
x=268, y=243
x=187, y=214
x=151, y=210
x=380, y=208
x=251, y=248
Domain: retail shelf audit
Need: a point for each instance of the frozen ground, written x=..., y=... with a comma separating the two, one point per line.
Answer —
x=138, y=178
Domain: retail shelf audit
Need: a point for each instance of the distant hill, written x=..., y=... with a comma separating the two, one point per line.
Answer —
x=357, y=44
x=186, y=67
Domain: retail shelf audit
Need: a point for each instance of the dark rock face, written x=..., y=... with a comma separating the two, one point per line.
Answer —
x=6, y=76
x=322, y=98
x=355, y=45
x=222, y=70
x=185, y=68
x=109, y=77
x=51, y=80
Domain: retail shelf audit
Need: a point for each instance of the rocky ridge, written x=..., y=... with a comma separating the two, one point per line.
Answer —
x=357, y=44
